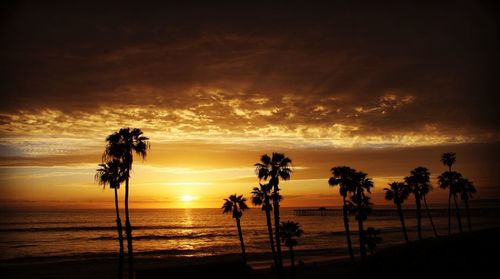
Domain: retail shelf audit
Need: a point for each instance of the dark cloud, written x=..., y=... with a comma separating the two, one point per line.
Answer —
x=339, y=62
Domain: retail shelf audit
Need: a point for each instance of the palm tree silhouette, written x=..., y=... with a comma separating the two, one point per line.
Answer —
x=111, y=173
x=120, y=146
x=372, y=239
x=448, y=159
x=398, y=193
x=451, y=180
x=419, y=183
x=235, y=205
x=466, y=189
x=289, y=230
x=360, y=205
x=344, y=177
x=261, y=196
x=273, y=168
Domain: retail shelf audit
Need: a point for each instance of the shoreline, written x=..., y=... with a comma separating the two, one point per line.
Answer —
x=315, y=262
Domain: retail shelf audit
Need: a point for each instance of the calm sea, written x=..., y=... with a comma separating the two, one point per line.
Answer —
x=181, y=232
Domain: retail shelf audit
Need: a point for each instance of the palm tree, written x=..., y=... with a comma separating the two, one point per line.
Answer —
x=361, y=206
x=398, y=193
x=112, y=174
x=418, y=181
x=235, y=205
x=288, y=231
x=260, y=196
x=448, y=159
x=120, y=146
x=466, y=189
x=273, y=168
x=344, y=177
x=372, y=239
x=451, y=180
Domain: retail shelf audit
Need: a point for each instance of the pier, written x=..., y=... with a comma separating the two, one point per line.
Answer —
x=393, y=212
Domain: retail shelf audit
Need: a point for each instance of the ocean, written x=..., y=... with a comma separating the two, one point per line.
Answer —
x=49, y=235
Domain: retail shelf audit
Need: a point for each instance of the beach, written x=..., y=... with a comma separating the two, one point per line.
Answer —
x=458, y=255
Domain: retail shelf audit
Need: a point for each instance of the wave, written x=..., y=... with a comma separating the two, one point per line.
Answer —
x=101, y=228
x=167, y=237
x=22, y=245
x=39, y=222
x=383, y=230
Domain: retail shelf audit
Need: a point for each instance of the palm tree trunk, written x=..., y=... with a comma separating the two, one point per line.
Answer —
x=401, y=217
x=449, y=213
x=467, y=211
x=347, y=231
x=459, y=219
x=362, y=246
x=430, y=217
x=128, y=231
x=120, y=236
x=270, y=232
x=241, y=241
x=292, y=263
x=419, y=216
x=276, y=207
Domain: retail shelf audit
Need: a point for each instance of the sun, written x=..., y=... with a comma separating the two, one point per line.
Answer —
x=187, y=198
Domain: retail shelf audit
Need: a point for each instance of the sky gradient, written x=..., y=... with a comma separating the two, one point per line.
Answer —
x=380, y=87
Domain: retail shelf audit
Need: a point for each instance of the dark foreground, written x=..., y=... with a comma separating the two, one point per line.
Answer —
x=469, y=255
x=460, y=256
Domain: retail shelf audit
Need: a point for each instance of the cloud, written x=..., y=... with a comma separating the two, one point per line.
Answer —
x=322, y=74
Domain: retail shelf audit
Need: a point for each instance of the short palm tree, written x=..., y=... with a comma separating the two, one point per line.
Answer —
x=466, y=189
x=361, y=206
x=372, y=239
x=398, y=193
x=419, y=183
x=344, y=177
x=451, y=180
x=274, y=168
x=121, y=146
x=448, y=159
x=235, y=205
x=289, y=231
x=111, y=173
x=260, y=197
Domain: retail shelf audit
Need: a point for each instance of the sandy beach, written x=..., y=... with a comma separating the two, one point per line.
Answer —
x=457, y=255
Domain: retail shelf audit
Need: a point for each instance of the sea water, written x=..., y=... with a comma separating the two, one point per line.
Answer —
x=56, y=234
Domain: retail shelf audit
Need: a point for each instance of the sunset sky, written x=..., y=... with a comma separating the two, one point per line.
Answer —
x=382, y=87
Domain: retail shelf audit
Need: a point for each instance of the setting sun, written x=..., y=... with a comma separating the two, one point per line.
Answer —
x=187, y=198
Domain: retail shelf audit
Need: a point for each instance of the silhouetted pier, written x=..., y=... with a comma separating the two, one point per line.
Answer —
x=393, y=212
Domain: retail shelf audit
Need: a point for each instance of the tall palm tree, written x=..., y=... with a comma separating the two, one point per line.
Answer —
x=111, y=173
x=466, y=189
x=448, y=159
x=344, y=177
x=289, y=230
x=372, y=239
x=451, y=180
x=361, y=206
x=235, y=205
x=121, y=146
x=272, y=169
x=419, y=183
x=398, y=193
x=261, y=196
